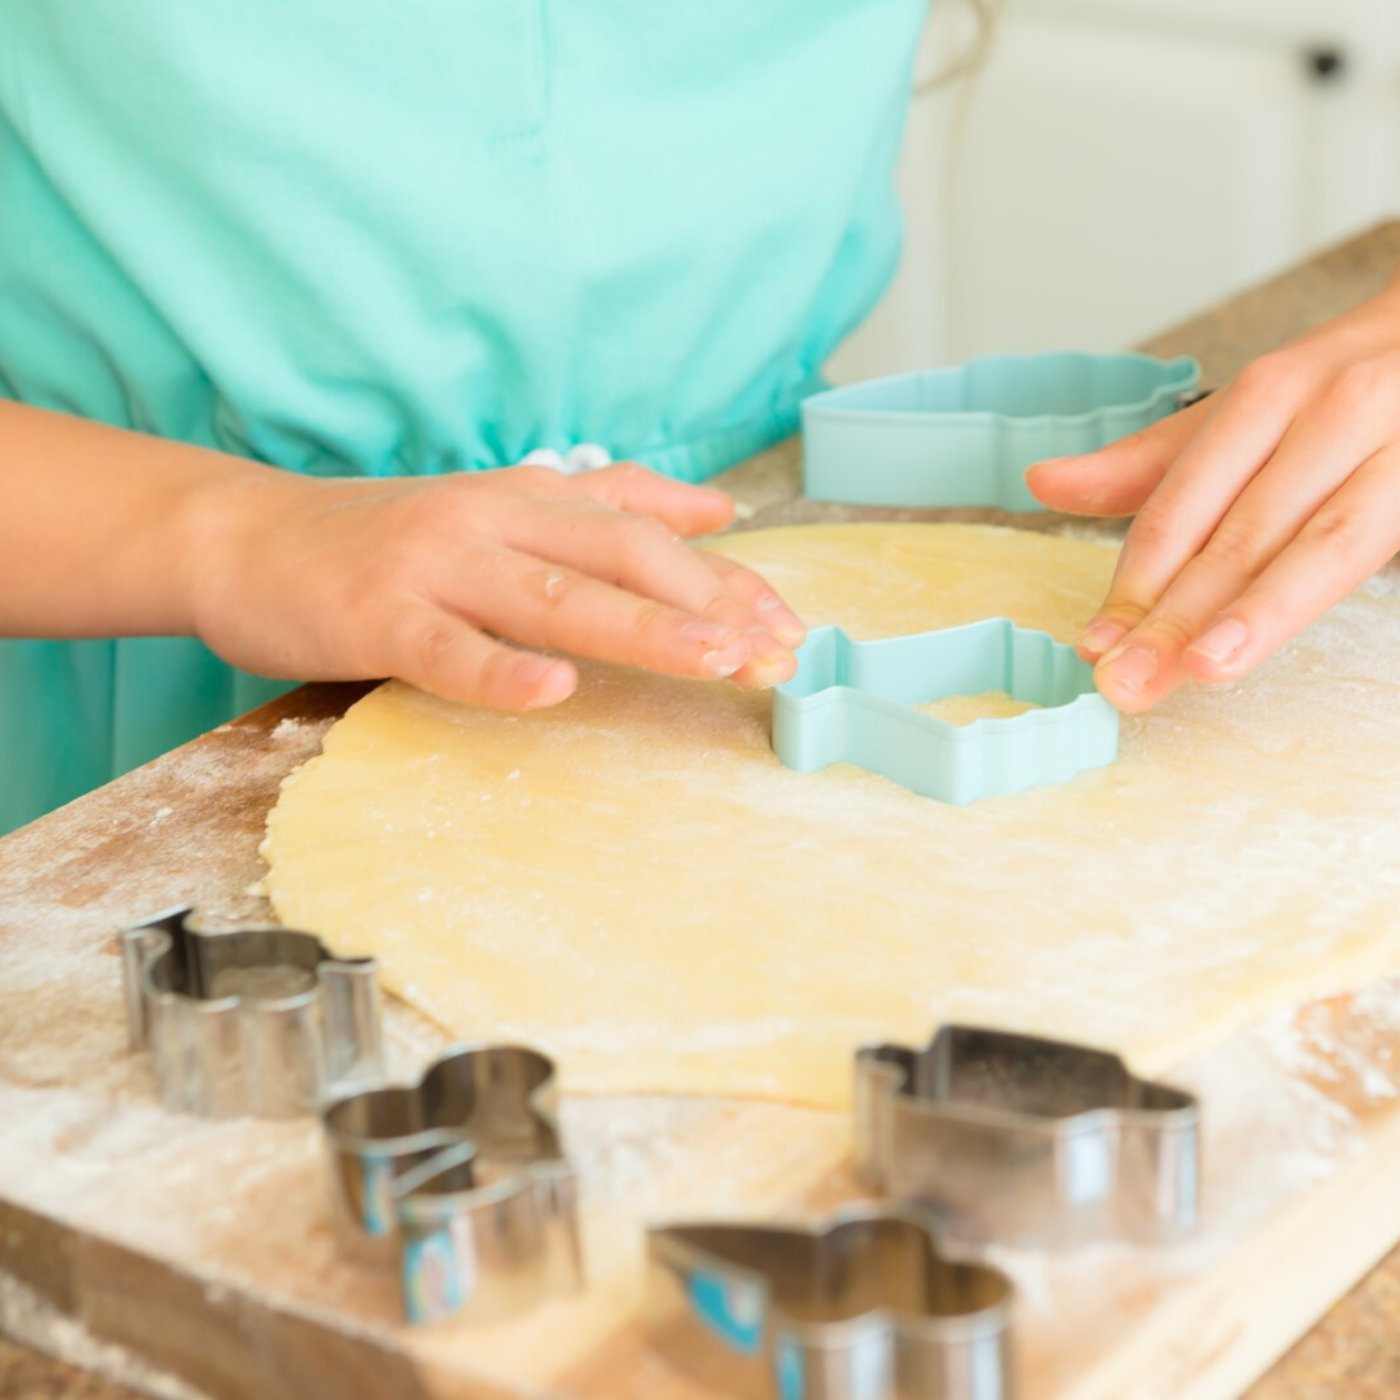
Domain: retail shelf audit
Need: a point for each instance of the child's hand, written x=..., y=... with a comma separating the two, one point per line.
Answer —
x=1257, y=509
x=420, y=578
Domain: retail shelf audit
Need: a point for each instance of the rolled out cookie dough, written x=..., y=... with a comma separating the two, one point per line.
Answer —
x=634, y=883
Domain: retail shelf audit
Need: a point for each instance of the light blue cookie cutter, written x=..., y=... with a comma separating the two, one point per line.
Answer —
x=851, y=702
x=964, y=436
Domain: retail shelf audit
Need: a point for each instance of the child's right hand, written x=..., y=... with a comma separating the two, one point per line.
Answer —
x=110, y=533
x=428, y=579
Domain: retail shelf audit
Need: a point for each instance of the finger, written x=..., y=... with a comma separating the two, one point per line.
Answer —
x=1347, y=541
x=641, y=555
x=1319, y=452
x=629, y=486
x=440, y=653
x=774, y=618
x=1240, y=433
x=773, y=613
x=691, y=511
x=1117, y=479
x=543, y=603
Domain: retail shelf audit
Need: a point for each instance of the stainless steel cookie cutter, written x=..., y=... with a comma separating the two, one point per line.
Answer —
x=853, y=702
x=864, y=1306
x=460, y=1182
x=262, y=1021
x=964, y=435
x=1025, y=1141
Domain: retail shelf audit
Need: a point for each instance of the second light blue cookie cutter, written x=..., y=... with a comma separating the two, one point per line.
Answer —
x=964, y=435
x=852, y=702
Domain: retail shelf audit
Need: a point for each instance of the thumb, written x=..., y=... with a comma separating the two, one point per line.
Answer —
x=1116, y=479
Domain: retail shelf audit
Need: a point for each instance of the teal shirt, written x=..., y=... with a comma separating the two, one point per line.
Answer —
x=356, y=237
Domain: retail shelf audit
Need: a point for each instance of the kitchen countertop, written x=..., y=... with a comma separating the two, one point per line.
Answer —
x=1355, y=1350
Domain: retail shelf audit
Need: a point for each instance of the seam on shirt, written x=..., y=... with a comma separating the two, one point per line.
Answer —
x=526, y=142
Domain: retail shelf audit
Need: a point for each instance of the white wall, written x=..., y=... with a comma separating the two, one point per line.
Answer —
x=1120, y=164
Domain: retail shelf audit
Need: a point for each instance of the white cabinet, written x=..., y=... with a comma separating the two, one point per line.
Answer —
x=1120, y=164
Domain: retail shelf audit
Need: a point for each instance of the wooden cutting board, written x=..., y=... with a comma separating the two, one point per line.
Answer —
x=205, y=1249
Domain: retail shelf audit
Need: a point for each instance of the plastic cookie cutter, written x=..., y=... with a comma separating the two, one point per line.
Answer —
x=1025, y=1141
x=263, y=1021
x=964, y=436
x=853, y=702
x=862, y=1307
x=460, y=1182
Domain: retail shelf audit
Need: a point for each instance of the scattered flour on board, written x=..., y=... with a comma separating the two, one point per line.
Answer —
x=1269, y=1133
x=33, y=1322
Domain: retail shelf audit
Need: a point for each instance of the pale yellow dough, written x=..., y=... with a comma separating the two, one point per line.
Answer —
x=634, y=883
x=968, y=709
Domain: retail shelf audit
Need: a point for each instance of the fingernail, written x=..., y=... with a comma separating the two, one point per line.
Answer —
x=767, y=672
x=550, y=680
x=1133, y=668
x=724, y=662
x=786, y=625
x=1223, y=642
x=763, y=646
x=1102, y=635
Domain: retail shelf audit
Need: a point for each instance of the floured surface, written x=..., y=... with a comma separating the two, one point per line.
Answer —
x=634, y=883
x=968, y=709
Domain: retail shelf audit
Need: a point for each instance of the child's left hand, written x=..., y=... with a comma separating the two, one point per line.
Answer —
x=1257, y=509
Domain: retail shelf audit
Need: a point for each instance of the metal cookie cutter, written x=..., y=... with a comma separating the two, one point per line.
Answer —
x=461, y=1182
x=853, y=701
x=964, y=436
x=1027, y=1141
x=862, y=1307
x=262, y=1021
